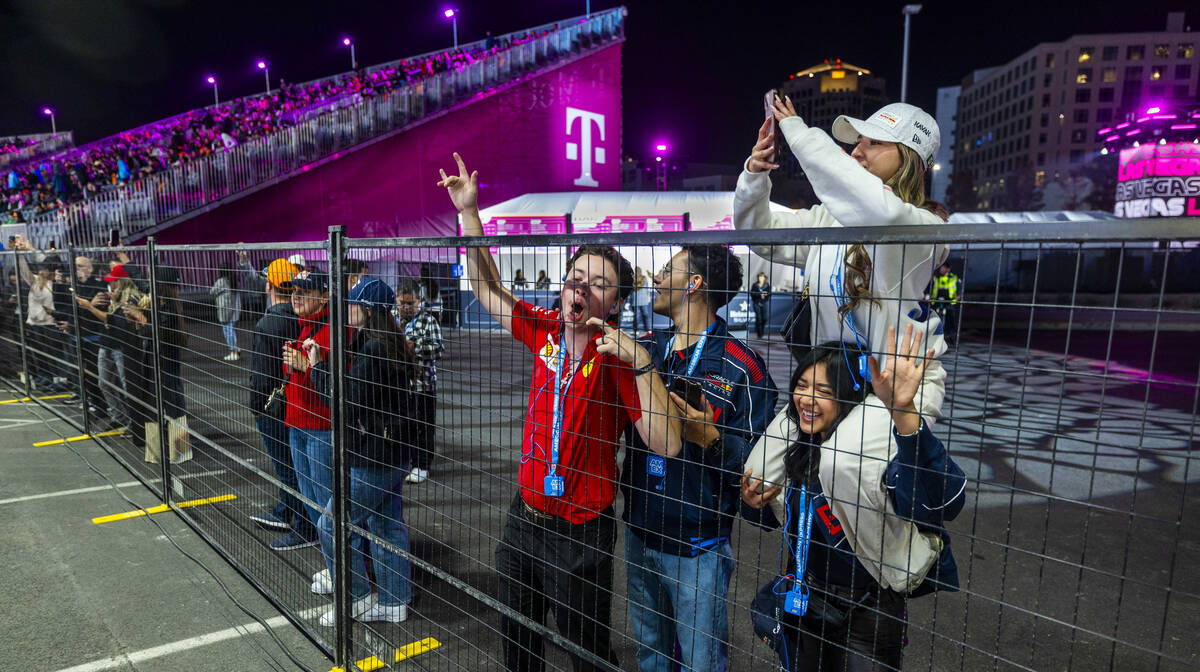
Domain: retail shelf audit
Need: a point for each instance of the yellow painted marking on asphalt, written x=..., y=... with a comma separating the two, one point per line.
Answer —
x=161, y=508
x=72, y=439
x=17, y=401
x=404, y=653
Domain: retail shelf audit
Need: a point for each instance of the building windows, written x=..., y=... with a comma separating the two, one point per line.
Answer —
x=1077, y=155
x=1157, y=72
x=1045, y=119
x=1108, y=75
x=1104, y=114
x=1135, y=53
x=1081, y=115
x=1186, y=50
x=1048, y=81
x=1183, y=71
x=1083, y=76
x=1109, y=54
x=1049, y=60
x=1156, y=90
x=1083, y=95
x=1041, y=140
x=1162, y=51
x=1181, y=90
x=1045, y=100
x=1133, y=73
x=1106, y=95
x=1085, y=54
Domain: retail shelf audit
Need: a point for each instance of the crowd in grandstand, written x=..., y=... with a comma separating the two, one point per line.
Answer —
x=46, y=183
x=849, y=469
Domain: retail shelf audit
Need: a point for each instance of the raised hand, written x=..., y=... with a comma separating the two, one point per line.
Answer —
x=463, y=188
x=754, y=492
x=896, y=385
x=784, y=109
x=760, y=156
x=618, y=343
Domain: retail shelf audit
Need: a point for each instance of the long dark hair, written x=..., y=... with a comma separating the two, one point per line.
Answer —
x=805, y=453
x=225, y=270
x=381, y=327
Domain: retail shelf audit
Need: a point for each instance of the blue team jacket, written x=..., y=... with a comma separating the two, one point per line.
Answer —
x=692, y=508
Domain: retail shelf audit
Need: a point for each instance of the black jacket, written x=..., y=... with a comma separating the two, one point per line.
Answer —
x=377, y=403
x=277, y=326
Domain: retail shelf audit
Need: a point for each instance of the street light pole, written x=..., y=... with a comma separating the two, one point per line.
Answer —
x=353, y=61
x=660, y=171
x=262, y=65
x=908, y=12
x=53, y=122
x=453, y=16
x=216, y=99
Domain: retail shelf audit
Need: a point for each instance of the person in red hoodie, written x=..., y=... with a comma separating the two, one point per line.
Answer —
x=308, y=418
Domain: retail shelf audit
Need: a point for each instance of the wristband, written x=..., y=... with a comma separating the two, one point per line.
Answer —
x=645, y=369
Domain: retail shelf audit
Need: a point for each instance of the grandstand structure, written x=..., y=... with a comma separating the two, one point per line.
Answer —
x=554, y=89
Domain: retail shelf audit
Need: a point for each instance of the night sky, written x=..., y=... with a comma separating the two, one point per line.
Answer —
x=694, y=71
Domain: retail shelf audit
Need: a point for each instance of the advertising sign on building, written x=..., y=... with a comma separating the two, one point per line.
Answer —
x=1159, y=180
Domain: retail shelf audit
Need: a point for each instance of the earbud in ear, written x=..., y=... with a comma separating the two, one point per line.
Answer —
x=691, y=285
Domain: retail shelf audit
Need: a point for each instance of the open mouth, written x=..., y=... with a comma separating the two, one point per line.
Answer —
x=575, y=311
x=808, y=417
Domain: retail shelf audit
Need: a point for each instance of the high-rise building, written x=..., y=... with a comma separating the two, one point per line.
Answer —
x=829, y=89
x=1035, y=119
x=943, y=161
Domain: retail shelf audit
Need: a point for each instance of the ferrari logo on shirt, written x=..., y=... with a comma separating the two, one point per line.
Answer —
x=549, y=354
x=587, y=368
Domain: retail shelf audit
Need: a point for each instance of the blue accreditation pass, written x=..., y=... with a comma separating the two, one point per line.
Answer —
x=656, y=465
x=554, y=486
x=796, y=600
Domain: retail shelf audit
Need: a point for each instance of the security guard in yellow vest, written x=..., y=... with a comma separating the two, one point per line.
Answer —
x=945, y=299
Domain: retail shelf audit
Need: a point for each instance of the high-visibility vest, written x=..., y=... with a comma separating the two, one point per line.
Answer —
x=948, y=284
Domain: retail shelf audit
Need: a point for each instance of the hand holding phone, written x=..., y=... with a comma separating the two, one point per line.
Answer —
x=769, y=105
x=690, y=390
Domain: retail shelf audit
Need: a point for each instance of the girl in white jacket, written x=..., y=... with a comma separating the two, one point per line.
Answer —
x=857, y=293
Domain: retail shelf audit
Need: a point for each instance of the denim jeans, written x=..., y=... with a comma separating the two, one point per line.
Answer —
x=230, y=335
x=375, y=504
x=110, y=363
x=680, y=600
x=312, y=457
x=275, y=438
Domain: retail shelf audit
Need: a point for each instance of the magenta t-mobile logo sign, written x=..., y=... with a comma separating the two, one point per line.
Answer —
x=586, y=121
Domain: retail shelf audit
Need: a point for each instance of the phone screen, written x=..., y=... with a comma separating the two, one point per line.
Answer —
x=690, y=390
x=114, y=237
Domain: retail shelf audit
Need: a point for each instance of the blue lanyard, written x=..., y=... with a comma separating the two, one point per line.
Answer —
x=696, y=354
x=556, y=426
x=803, y=533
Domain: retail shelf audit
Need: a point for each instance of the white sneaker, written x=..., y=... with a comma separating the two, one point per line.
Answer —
x=357, y=609
x=232, y=357
x=391, y=614
x=417, y=475
x=322, y=583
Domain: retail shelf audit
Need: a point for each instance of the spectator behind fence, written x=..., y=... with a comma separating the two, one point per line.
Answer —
x=556, y=549
x=45, y=332
x=355, y=270
x=229, y=307
x=87, y=286
x=423, y=339
x=850, y=621
x=268, y=403
x=679, y=507
x=855, y=293
x=760, y=297
x=118, y=346
x=307, y=416
x=377, y=406
x=141, y=366
x=543, y=281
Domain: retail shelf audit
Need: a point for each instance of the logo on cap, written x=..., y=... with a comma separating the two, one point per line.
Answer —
x=920, y=127
x=891, y=121
x=916, y=139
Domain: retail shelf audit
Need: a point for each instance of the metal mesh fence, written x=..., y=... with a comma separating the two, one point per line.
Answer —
x=1062, y=385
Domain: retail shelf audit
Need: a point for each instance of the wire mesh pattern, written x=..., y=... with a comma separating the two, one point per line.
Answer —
x=400, y=491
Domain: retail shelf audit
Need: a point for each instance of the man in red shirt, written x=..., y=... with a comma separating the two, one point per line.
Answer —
x=556, y=550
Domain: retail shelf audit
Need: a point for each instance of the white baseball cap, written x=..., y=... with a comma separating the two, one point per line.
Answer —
x=298, y=259
x=901, y=123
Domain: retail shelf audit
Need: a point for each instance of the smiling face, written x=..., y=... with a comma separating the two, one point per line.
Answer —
x=815, y=400
x=880, y=158
x=591, y=289
x=308, y=302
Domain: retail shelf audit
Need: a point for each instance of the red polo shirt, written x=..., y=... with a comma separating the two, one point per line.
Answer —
x=600, y=399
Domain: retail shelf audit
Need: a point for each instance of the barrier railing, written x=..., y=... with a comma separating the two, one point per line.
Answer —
x=185, y=188
x=1071, y=415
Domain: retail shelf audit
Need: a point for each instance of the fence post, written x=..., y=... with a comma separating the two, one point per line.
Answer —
x=84, y=402
x=164, y=435
x=341, y=472
x=21, y=326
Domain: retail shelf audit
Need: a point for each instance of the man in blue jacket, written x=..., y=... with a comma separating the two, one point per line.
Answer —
x=679, y=509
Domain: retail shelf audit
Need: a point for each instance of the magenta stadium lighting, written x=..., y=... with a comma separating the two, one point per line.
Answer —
x=449, y=13
x=53, y=123
x=1158, y=155
x=350, y=43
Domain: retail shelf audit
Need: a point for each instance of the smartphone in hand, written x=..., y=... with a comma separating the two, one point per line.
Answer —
x=769, y=104
x=690, y=390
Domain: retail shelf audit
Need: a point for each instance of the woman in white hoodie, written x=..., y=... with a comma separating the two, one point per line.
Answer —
x=857, y=292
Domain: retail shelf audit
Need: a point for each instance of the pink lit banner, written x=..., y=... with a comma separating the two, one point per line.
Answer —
x=631, y=224
x=1156, y=180
x=521, y=226
x=723, y=224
